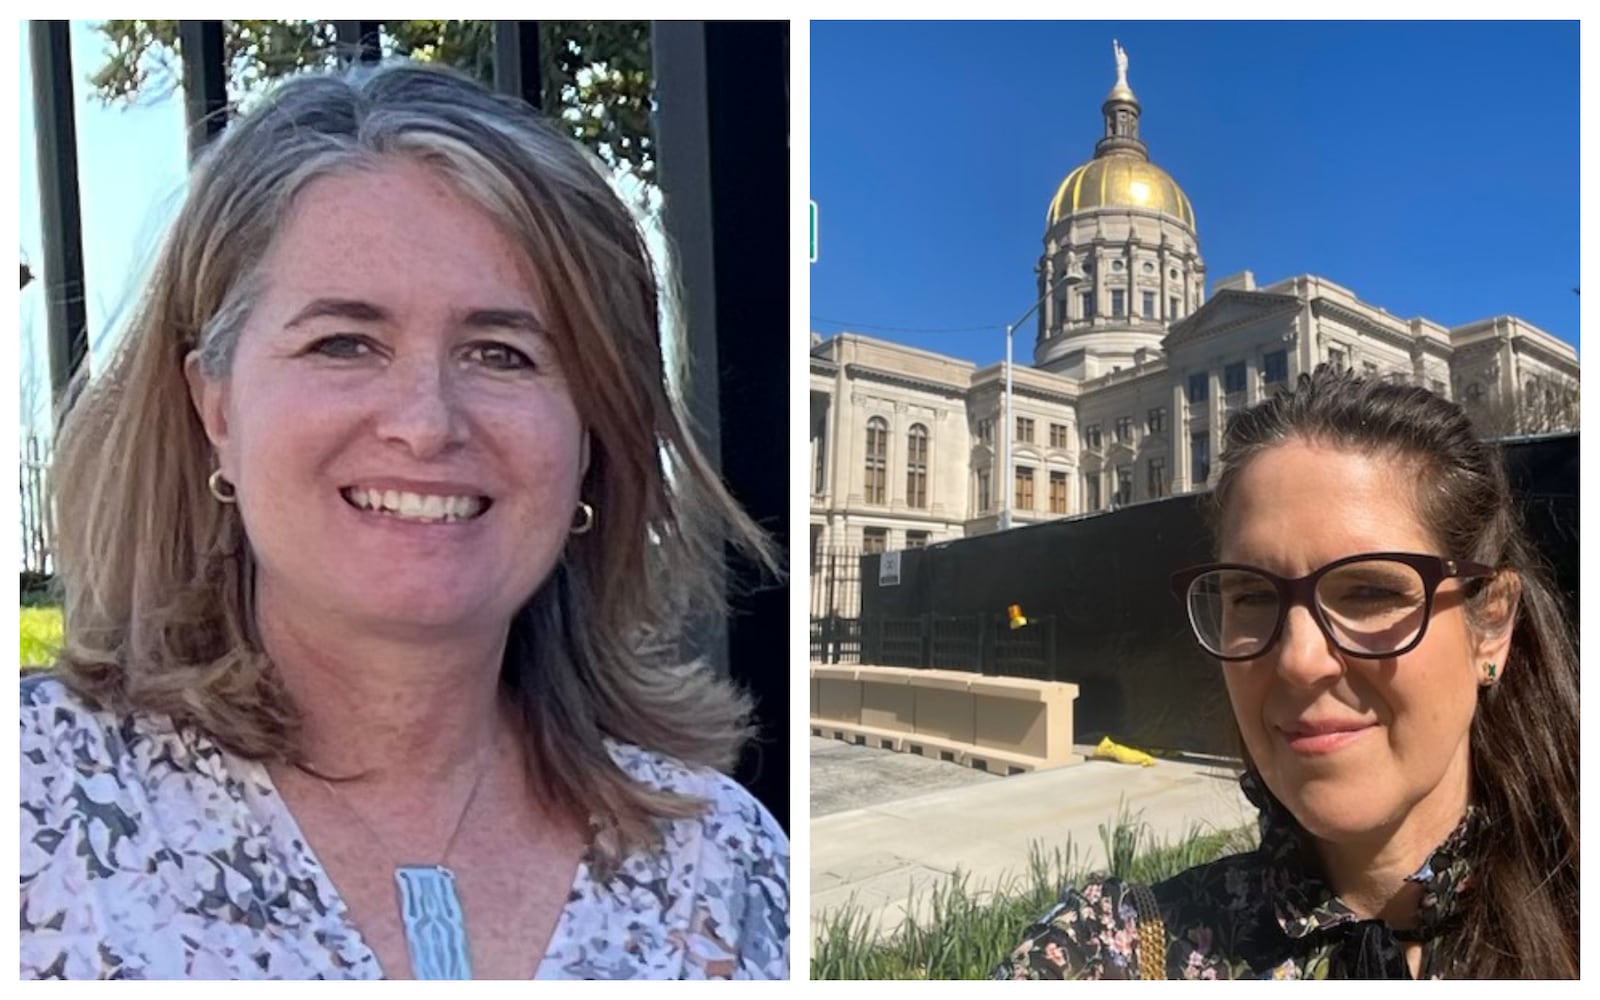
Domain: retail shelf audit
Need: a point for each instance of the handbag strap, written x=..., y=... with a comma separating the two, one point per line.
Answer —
x=1152, y=933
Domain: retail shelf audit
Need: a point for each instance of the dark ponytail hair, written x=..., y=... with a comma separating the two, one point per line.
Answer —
x=1521, y=920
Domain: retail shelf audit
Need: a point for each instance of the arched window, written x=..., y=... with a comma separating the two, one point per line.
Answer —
x=877, y=460
x=917, y=467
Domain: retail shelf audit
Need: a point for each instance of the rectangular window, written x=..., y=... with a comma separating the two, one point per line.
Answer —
x=1436, y=386
x=877, y=470
x=917, y=467
x=1124, y=485
x=916, y=539
x=983, y=491
x=1275, y=366
x=1156, y=420
x=1058, y=492
x=1025, y=430
x=1060, y=315
x=875, y=540
x=1125, y=430
x=1200, y=458
x=1338, y=358
x=1024, y=495
x=1091, y=436
x=1087, y=304
x=1172, y=307
x=1091, y=491
x=1199, y=387
x=1157, y=486
x=1058, y=435
x=1369, y=369
x=986, y=431
x=1118, y=302
x=1233, y=378
x=1148, y=301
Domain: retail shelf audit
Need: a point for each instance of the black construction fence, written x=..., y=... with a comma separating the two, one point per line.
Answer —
x=1100, y=613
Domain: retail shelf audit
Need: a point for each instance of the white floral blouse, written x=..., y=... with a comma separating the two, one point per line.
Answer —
x=149, y=852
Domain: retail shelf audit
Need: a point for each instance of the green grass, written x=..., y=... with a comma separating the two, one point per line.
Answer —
x=964, y=933
x=41, y=636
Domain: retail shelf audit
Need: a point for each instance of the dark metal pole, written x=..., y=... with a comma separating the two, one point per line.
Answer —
x=359, y=41
x=516, y=61
x=722, y=152
x=205, y=83
x=57, y=146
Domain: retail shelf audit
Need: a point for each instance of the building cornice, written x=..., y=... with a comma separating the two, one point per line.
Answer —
x=1066, y=397
x=867, y=373
x=1363, y=323
x=1534, y=347
x=1194, y=328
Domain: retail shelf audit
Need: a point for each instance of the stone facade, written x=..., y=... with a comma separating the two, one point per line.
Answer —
x=1135, y=373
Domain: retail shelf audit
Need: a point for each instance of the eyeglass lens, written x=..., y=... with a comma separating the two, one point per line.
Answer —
x=1373, y=607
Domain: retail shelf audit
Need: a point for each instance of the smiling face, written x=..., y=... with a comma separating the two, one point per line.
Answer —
x=406, y=451
x=1359, y=750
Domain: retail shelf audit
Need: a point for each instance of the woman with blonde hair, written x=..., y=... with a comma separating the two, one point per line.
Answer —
x=378, y=543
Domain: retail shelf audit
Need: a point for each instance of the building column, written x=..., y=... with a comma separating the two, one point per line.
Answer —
x=1179, y=429
x=825, y=443
x=1215, y=402
x=843, y=432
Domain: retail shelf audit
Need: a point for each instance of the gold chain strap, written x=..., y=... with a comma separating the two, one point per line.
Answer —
x=1152, y=933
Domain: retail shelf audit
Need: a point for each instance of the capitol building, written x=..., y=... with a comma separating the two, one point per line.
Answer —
x=1135, y=371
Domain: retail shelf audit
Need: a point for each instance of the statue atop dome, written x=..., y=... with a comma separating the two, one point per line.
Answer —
x=1122, y=65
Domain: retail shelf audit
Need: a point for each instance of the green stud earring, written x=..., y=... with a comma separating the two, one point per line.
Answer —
x=1490, y=667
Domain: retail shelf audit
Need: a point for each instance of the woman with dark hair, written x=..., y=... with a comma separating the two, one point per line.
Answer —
x=380, y=541
x=1405, y=685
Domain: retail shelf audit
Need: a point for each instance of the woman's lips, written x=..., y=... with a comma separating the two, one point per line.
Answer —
x=1324, y=739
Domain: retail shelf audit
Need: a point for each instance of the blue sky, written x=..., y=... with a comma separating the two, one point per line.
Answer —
x=1432, y=168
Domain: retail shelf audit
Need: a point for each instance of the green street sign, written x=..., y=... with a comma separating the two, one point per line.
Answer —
x=813, y=232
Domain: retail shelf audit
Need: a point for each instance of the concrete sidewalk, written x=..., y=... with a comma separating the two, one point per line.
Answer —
x=881, y=855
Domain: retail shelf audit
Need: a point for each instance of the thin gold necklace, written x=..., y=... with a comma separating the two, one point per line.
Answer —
x=430, y=905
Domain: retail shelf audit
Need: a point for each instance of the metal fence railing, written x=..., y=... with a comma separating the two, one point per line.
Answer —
x=38, y=536
x=835, y=583
x=835, y=640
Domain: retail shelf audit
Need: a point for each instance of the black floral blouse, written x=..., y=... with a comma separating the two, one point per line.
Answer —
x=1266, y=914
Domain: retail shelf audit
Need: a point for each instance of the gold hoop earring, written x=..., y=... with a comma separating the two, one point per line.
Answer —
x=216, y=483
x=587, y=524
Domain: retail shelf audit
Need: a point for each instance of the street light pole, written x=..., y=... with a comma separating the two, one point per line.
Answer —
x=1072, y=277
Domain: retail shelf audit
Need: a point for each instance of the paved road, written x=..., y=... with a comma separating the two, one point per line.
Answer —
x=890, y=825
x=845, y=776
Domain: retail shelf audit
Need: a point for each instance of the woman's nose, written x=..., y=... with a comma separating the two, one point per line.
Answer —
x=422, y=411
x=1305, y=655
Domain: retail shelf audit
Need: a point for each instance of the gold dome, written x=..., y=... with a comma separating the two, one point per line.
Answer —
x=1113, y=181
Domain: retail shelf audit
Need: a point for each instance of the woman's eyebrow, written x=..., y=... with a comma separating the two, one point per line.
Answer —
x=515, y=319
x=353, y=309
x=366, y=312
